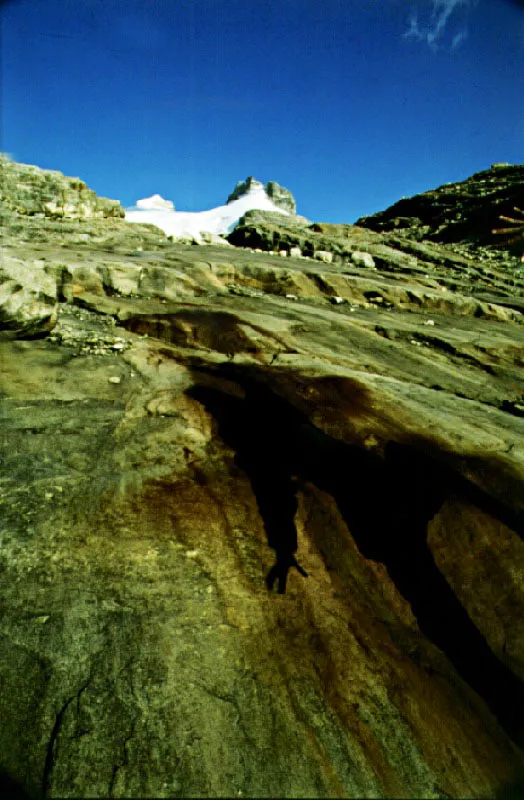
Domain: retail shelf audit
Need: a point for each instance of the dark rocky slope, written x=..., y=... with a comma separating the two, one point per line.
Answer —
x=455, y=212
x=174, y=420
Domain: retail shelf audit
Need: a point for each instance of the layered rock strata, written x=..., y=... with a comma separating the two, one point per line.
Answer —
x=199, y=422
x=29, y=190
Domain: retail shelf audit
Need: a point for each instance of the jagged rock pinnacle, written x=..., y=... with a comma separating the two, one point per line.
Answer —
x=280, y=196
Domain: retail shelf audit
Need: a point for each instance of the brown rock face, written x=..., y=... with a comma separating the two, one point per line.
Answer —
x=262, y=520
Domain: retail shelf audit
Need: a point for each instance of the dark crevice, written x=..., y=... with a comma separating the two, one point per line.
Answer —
x=320, y=282
x=386, y=503
x=51, y=747
x=513, y=407
x=125, y=758
x=50, y=755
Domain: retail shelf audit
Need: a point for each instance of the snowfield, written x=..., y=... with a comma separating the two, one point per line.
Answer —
x=180, y=224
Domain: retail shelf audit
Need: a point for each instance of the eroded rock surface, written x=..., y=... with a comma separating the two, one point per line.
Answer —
x=28, y=297
x=28, y=190
x=199, y=416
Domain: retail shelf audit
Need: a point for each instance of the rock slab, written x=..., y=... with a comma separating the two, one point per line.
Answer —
x=205, y=426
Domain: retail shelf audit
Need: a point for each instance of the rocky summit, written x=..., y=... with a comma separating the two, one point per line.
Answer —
x=262, y=507
x=280, y=196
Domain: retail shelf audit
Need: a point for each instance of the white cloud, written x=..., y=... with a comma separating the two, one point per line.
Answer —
x=457, y=39
x=445, y=26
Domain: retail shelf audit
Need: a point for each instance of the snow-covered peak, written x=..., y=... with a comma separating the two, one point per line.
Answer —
x=249, y=186
x=156, y=201
x=255, y=188
x=280, y=196
x=191, y=224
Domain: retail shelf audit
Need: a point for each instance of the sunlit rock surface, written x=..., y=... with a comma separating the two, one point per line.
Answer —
x=28, y=190
x=28, y=297
x=197, y=413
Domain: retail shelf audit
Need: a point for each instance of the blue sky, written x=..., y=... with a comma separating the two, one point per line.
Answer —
x=351, y=104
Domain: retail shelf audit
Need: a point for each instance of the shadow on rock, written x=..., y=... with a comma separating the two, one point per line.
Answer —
x=386, y=503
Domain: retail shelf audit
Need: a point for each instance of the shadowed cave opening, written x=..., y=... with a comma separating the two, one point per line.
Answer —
x=386, y=504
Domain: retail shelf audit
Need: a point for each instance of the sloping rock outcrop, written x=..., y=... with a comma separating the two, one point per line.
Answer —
x=255, y=215
x=29, y=190
x=268, y=233
x=203, y=425
x=465, y=211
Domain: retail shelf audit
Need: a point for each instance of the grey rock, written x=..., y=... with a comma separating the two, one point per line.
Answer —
x=203, y=238
x=256, y=215
x=323, y=255
x=280, y=196
x=362, y=259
